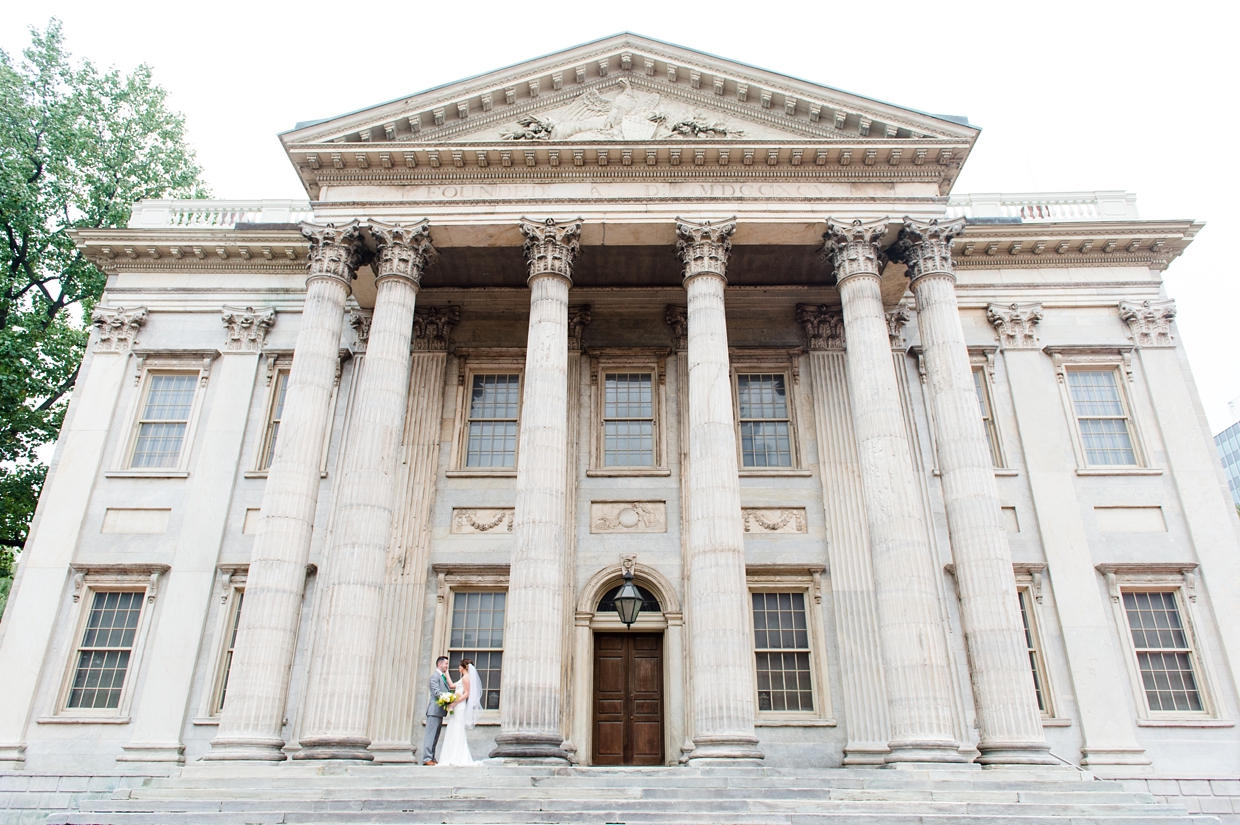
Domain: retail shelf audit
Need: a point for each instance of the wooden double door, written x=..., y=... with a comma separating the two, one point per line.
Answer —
x=628, y=699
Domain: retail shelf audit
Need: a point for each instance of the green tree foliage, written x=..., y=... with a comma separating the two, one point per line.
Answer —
x=78, y=145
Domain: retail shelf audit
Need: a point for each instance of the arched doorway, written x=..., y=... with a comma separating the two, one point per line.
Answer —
x=627, y=702
x=628, y=680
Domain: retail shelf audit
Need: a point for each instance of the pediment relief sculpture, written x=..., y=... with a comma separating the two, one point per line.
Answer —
x=630, y=114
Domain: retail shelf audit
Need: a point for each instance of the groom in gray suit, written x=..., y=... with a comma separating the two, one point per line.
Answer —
x=434, y=713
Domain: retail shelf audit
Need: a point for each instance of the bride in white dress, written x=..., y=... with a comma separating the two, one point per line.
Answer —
x=462, y=716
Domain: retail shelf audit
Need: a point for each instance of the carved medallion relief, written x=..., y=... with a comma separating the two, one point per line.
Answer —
x=628, y=517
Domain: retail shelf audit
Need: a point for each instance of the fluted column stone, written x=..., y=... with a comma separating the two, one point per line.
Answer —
x=342, y=666
x=531, y=704
x=252, y=722
x=719, y=609
x=914, y=653
x=1008, y=720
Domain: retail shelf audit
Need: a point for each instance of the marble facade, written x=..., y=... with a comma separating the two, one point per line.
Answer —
x=844, y=388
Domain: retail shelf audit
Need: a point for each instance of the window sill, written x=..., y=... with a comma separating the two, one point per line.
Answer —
x=481, y=473
x=146, y=474
x=1118, y=471
x=793, y=722
x=1185, y=722
x=206, y=720
x=627, y=472
x=783, y=471
x=1006, y=471
x=82, y=720
x=1055, y=722
x=265, y=473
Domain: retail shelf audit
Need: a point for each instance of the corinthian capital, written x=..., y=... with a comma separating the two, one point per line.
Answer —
x=704, y=247
x=432, y=326
x=404, y=251
x=335, y=251
x=118, y=327
x=852, y=248
x=551, y=246
x=1014, y=323
x=579, y=317
x=247, y=327
x=824, y=327
x=1149, y=322
x=926, y=246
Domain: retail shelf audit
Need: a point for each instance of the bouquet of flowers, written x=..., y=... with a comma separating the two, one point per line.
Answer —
x=445, y=699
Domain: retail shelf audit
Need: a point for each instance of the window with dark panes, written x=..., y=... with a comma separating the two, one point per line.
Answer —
x=163, y=420
x=765, y=426
x=1031, y=646
x=1101, y=417
x=105, y=651
x=628, y=419
x=478, y=634
x=491, y=439
x=1164, y=654
x=273, y=423
x=781, y=648
x=226, y=665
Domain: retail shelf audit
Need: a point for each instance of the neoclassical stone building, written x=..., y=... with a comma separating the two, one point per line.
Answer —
x=905, y=476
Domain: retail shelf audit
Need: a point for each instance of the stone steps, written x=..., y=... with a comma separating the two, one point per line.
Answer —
x=491, y=794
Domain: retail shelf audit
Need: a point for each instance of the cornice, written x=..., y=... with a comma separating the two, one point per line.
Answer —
x=932, y=161
x=190, y=250
x=1153, y=244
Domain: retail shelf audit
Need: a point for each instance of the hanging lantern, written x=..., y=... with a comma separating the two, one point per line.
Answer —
x=628, y=600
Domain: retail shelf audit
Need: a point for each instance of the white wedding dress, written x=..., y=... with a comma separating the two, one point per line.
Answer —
x=455, y=750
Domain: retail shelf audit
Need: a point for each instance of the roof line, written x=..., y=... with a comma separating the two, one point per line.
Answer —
x=959, y=120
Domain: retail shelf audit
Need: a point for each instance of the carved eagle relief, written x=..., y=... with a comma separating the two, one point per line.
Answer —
x=631, y=114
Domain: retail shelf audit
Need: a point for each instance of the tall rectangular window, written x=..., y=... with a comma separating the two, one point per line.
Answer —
x=628, y=419
x=478, y=634
x=494, y=402
x=273, y=422
x=1031, y=644
x=988, y=418
x=163, y=420
x=106, y=648
x=1101, y=417
x=766, y=432
x=226, y=665
x=1164, y=653
x=781, y=648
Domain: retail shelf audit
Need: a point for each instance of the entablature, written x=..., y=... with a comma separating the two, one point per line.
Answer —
x=1153, y=244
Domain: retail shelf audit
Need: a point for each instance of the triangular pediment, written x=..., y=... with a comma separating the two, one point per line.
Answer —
x=625, y=100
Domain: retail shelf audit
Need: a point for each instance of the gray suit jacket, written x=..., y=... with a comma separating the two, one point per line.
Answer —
x=438, y=685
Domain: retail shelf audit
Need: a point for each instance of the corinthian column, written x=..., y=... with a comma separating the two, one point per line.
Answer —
x=914, y=651
x=533, y=628
x=252, y=722
x=1007, y=710
x=342, y=666
x=719, y=609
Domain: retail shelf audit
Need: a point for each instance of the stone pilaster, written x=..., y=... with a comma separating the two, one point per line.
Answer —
x=395, y=715
x=718, y=604
x=252, y=722
x=1008, y=720
x=531, y=704
x=351, y=596
x=42, y=574
x=914, y=653
x=848, y=548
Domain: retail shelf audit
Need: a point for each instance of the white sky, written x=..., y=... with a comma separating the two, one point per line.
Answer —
x=1070, y=96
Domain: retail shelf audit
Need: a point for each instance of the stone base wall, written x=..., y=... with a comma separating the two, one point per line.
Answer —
x=1220, y=797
